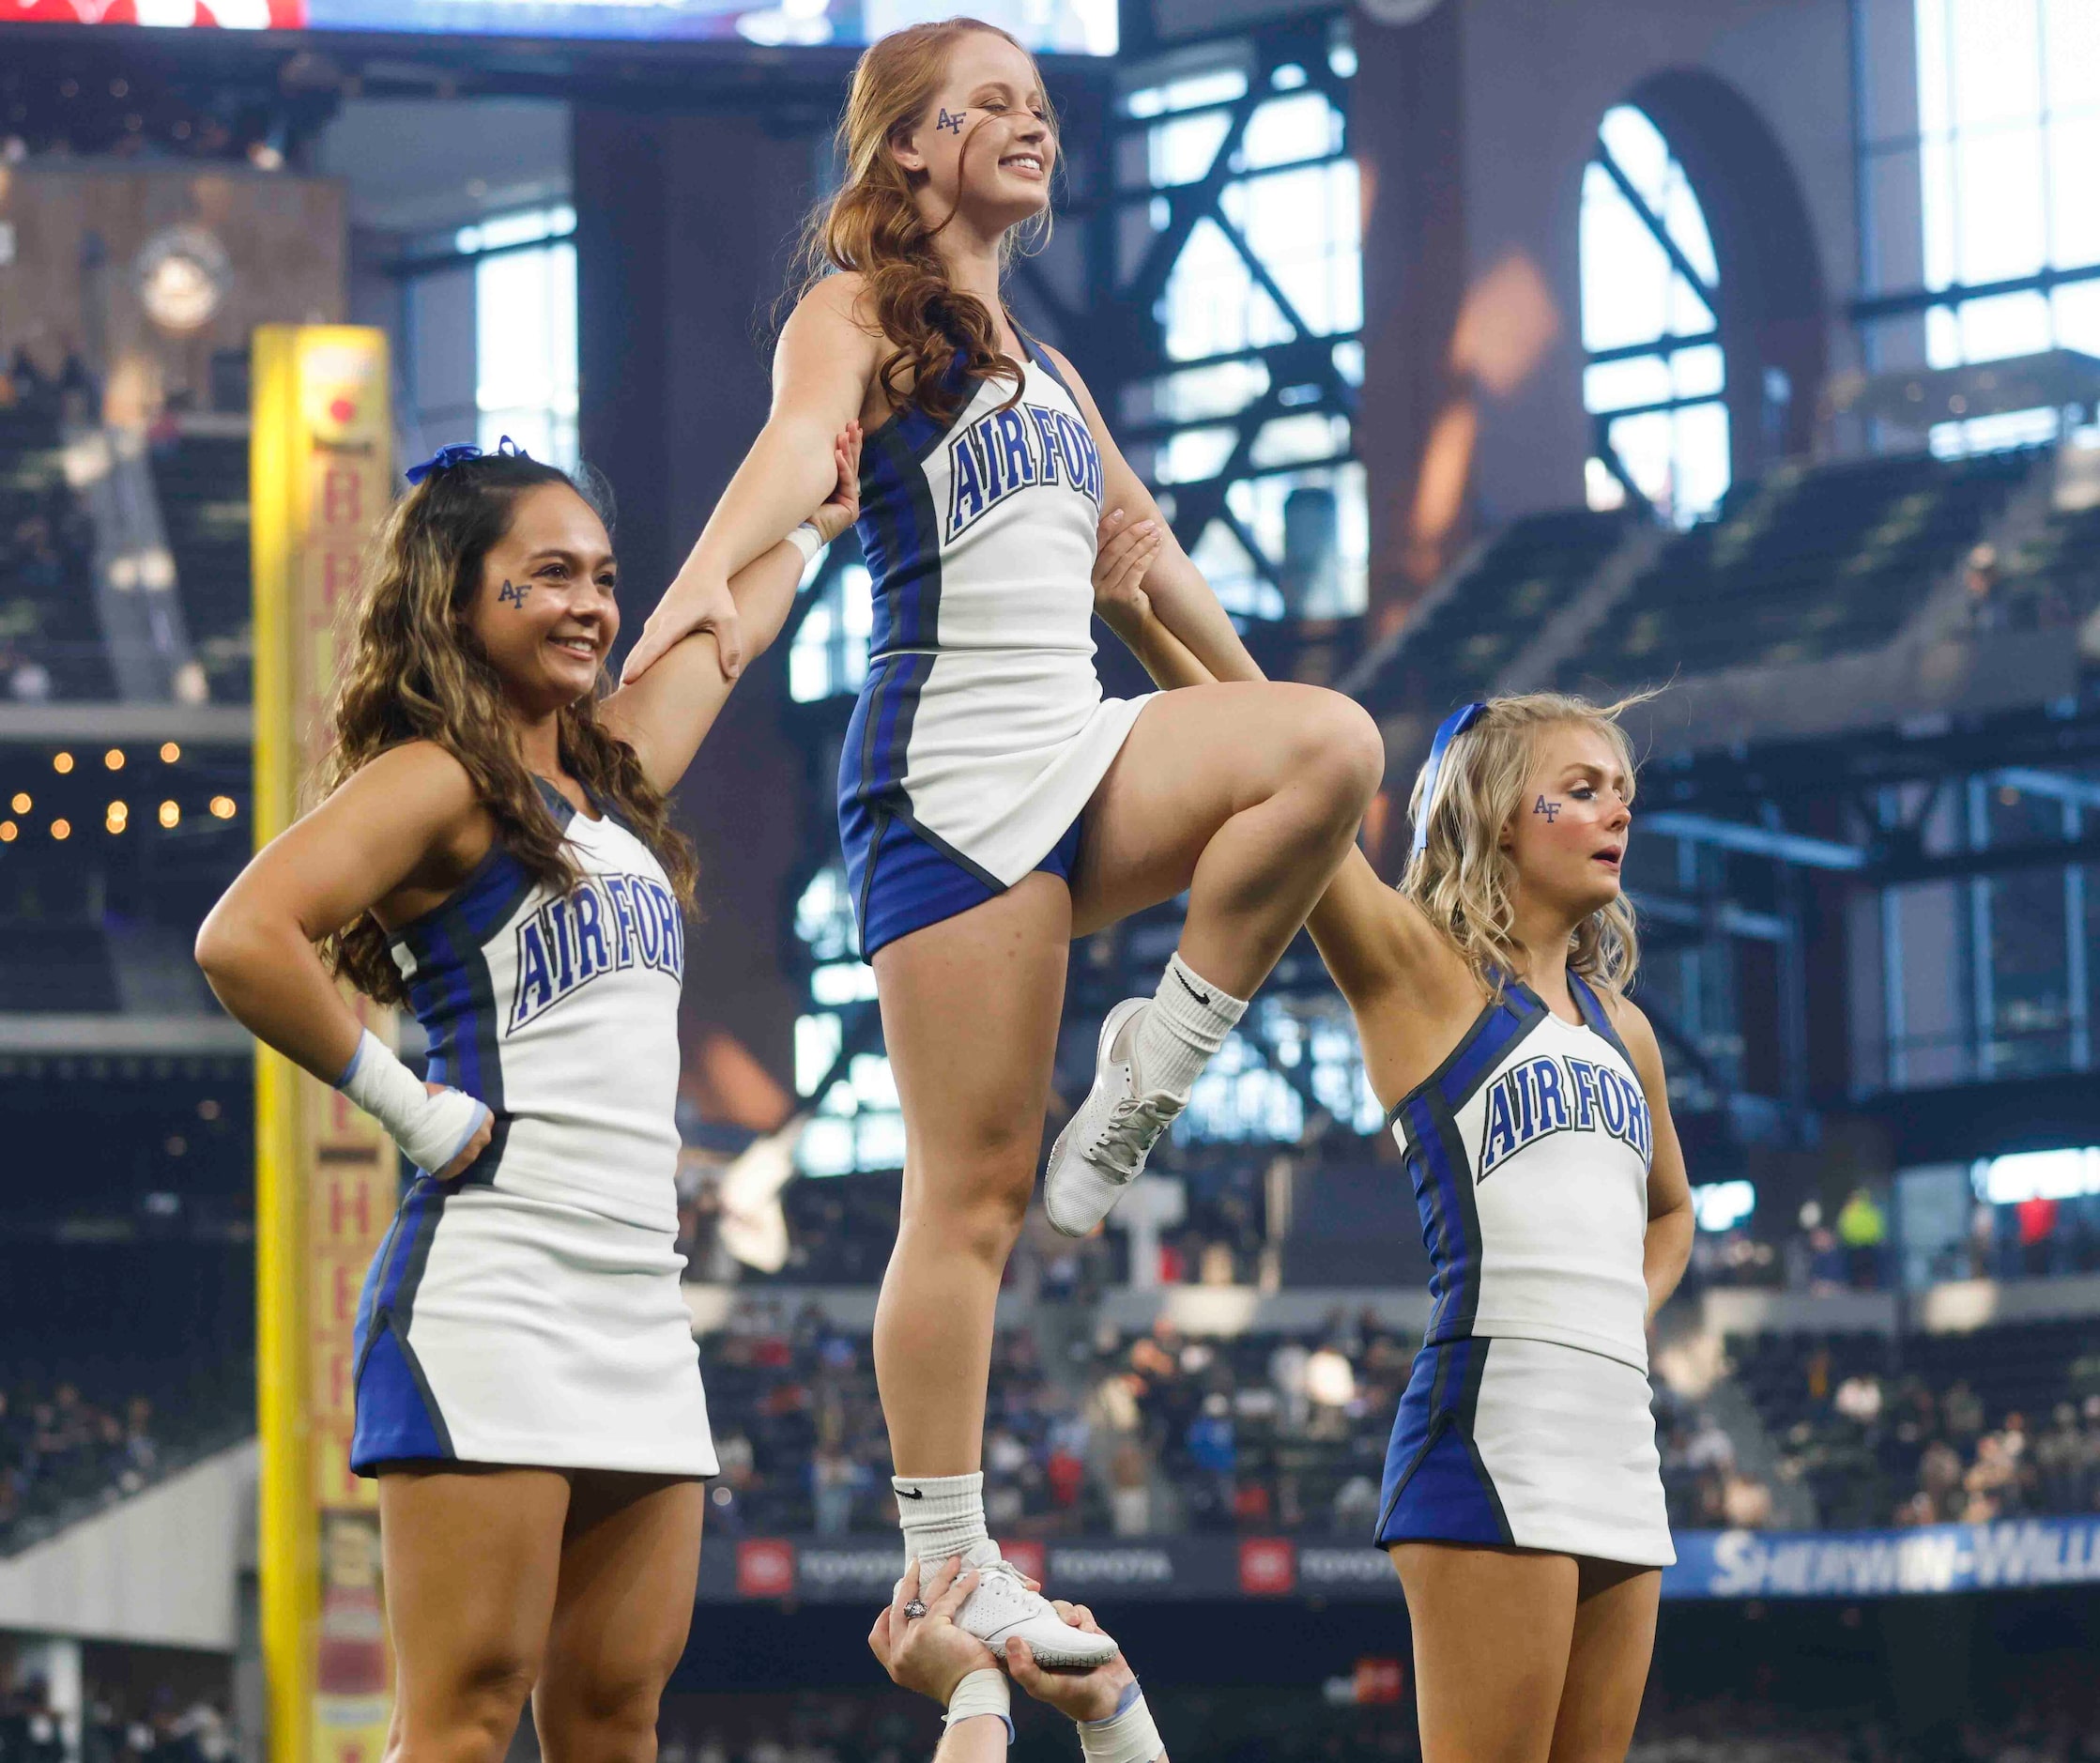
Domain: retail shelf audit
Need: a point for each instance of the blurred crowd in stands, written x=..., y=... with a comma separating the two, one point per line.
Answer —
x=46, y=543
x=57, y=1447
x=31, y=1731
x=1851, y=1248
x=1093, y=1432
x=2002, y=1423
x=1088, y=1431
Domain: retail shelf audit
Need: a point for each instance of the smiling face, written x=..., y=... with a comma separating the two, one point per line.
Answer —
x=1567, y=836
x=544, y=610
x=985, y=148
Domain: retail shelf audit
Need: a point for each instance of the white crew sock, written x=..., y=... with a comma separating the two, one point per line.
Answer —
x=1186, y=1022
x=942, y=1515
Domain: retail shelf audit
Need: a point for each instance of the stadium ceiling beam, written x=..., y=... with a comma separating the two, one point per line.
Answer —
x=2082, y=792
x=1187, y=204
x=1709, y=917
x=1653, y=223
x=1901, y=867
x=1755, y=841
x=1286, y=307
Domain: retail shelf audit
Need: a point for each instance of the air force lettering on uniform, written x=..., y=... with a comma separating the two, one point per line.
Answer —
x=1558, y=1092
x=1018, y=448
x=607, y=922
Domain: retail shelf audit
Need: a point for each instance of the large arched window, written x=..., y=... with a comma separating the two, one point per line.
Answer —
x=1655, y=380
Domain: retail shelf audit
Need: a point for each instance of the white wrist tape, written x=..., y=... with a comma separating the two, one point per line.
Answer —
x=982, y=1691
x=808, y=541
x=431, y=1129
x=1128, y=1737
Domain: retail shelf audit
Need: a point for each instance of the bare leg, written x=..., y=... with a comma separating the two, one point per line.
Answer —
x=970, y=1013
x=630, y=1560
x=1248, y=796
x=1492, y=1627
x=471, y=1558
x=1607, y=1665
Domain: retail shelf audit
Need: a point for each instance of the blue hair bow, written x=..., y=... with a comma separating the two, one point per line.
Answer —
x=1448, y=731
x=458, y=454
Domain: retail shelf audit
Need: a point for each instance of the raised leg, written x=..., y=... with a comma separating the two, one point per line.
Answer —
x=1247, y=796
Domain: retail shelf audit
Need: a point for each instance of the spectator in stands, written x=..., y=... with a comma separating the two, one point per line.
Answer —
x=1745, y=1503
x=1984, y=606
x=1939, y=1473
x=1130, y=1490
x=1962, y=1410
x=2060, y=1463
x=835, y=1479
x=2037, y=1217
x=1862, y=1229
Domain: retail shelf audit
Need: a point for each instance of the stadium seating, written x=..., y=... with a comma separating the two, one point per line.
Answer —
x=50, y=644
x=202, y=479
x=1136, y=1435
x=1806, y=562
x=1530, y=570
x=57, y=966
x=1999, y=1422
x=120, y=1361
x=2054, y=578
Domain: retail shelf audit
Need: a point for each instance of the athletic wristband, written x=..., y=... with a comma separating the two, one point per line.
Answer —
x=808, y=541
x=1128, y=1736
x=983, y=1692
x=430, y=1130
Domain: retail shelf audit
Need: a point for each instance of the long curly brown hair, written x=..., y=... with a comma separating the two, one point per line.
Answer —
x=412, y=670
x=939, y=336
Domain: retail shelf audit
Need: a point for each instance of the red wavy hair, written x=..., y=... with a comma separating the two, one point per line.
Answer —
x=873, y=225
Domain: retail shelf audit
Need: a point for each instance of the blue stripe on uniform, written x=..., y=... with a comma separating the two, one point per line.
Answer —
x=1435, y=1488
x=1440, y=1168
x=901, y=543
x=397, y=1417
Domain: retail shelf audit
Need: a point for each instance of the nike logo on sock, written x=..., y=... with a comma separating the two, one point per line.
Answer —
x=910, y=1494
x=1201, y=997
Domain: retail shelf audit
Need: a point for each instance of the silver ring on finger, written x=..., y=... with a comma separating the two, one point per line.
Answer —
x=914, y=1610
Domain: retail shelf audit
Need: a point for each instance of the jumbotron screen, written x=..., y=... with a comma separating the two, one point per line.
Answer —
x=1077, y=27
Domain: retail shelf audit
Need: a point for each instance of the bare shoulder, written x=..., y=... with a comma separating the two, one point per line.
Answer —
x=420, y=776
x=421, y=793
x=1062, y=362
x=836, y=305
x=1633, y=1027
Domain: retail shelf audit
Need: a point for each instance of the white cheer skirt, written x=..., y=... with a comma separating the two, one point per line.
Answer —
x=498, y=1329
x=1526, y=1444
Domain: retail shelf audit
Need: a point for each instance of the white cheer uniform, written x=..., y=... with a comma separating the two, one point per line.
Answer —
x=1527, y=1419
x=528, y=1312
x=981, y=733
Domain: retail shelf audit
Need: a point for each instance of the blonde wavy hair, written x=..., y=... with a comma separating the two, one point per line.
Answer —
x=872, y=224
x=1463, y=880
x=412, y=670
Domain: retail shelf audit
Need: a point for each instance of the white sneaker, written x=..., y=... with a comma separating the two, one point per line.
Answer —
x=1104, y=1145
x=1003, y=1605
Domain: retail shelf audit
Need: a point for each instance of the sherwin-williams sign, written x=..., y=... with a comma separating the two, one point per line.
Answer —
x=1106, y=1570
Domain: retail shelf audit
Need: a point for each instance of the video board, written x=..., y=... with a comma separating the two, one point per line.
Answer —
x=1079, y=27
